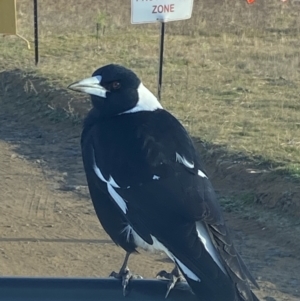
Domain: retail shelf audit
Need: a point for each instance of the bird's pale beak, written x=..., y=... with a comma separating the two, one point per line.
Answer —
x=90, y=85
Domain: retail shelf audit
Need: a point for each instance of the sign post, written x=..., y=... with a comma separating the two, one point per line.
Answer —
x=36, y=31
x=152, y=11
x=161, y=59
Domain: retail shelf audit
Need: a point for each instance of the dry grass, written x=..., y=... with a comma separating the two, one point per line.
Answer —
x=231, y=73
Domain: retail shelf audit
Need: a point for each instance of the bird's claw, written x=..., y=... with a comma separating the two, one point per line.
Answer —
x=173, y=278
x=125, y=276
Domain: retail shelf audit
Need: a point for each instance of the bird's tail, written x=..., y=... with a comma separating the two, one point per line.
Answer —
x=208, y=275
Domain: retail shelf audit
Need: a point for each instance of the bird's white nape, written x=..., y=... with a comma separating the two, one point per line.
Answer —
x=147, y=101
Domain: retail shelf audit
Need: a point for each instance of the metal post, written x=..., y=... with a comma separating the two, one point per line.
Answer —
x=97, y=28
x=88, y=289
x=161, y=58
x=36, y=35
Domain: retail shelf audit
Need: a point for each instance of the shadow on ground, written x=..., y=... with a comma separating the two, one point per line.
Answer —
x=43, y=124
x=52, y=240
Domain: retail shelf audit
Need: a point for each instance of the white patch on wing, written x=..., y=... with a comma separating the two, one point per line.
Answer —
x=127, y=230
x=210, y=248
x=187, y=271
x=147, y=101
x=201, y=174
x=155, y=177
x=118, y=199
x=98, y=172
x=157, y=246
x=111, y=184
x=184, y=161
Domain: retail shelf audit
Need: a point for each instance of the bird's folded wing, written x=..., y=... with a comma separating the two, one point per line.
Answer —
x=155, y=176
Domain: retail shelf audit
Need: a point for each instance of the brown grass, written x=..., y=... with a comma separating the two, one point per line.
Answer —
x=231, y=73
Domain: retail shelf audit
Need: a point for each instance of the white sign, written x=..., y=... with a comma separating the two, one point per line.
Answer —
x=151, y=11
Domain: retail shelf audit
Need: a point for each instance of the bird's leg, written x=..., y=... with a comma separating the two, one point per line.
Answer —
x=173, y=278
x=125, y=275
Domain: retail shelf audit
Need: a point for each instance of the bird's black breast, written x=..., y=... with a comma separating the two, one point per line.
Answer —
x=134, y=147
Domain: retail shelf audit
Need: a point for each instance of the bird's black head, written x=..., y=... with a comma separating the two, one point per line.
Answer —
x=115, y=89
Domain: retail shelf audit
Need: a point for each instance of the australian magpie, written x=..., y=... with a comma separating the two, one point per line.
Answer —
x=149, y=187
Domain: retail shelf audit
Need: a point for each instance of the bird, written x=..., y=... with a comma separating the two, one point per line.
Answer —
x=150, y=189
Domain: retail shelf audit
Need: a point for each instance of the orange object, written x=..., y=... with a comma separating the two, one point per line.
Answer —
x=250, y=1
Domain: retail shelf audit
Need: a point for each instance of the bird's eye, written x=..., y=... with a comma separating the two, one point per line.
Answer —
x=116, y=85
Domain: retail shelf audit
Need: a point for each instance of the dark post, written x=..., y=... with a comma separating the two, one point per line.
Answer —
x=36, y=32
x=97, y=28
x=161, y=58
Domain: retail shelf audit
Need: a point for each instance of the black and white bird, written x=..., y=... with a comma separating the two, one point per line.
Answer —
x=149, y=187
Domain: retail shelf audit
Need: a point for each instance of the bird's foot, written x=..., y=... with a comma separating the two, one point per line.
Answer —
x=173, y=278
x=125, y=276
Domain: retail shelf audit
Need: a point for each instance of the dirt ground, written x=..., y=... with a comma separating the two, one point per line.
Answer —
x=48, y=226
